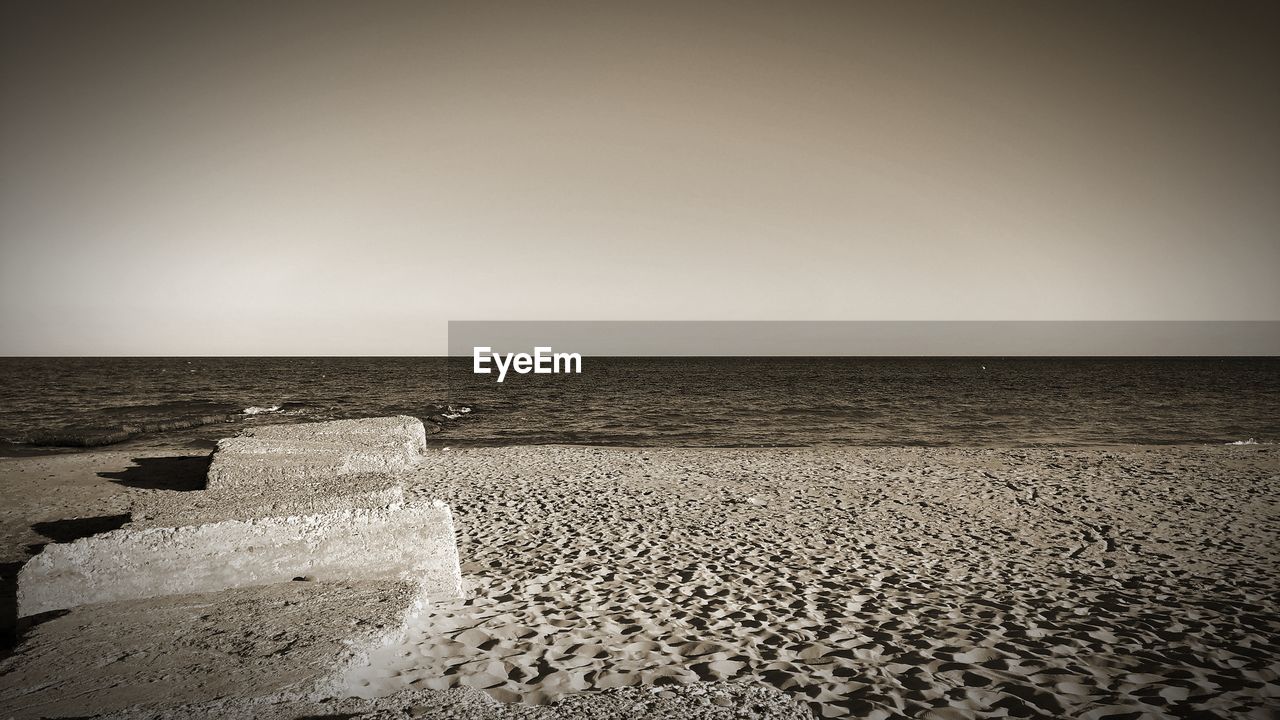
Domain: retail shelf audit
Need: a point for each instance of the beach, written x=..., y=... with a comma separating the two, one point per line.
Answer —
x=908, y=360
x=1135, y=581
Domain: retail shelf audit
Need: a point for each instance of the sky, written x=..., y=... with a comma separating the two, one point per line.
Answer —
x=910, y=338
x=289, y=178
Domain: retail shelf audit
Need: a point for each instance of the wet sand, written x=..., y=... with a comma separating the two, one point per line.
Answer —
x=872, y=582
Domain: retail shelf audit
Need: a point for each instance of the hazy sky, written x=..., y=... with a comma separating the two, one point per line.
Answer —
x=744, y=338
x=343, y=178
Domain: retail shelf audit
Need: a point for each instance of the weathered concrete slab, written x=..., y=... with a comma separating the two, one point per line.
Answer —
x=285, y=641
x=284, y=457
x=411, y=542
x=193, y=600
x=170, y=509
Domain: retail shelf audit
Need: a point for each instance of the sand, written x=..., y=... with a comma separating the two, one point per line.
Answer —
x=870, y=582
x=938, y=583
x=695, y=701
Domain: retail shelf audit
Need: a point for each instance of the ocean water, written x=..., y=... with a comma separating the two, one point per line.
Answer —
x=67, y=402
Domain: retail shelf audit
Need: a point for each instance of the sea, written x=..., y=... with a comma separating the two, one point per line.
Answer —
x=68, y=404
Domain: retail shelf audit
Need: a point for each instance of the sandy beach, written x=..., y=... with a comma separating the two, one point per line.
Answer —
x=897, y=360
x=870, y=582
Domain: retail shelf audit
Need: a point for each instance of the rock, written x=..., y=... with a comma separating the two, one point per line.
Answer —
x=389, y=543
x=289, y=457
x=289, y=640
x=311, y=499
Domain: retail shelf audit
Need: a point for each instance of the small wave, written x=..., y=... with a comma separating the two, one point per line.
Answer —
x=255, y=410
x=98, y=436
x=108, y=426
x=452, y=413
x=1250, y=441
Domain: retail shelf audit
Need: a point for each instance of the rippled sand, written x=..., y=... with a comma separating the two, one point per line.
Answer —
x=937, y=583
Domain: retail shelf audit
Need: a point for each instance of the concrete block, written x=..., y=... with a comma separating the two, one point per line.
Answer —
x=168, y=509
x=285, y=457
x=404, y=542
x=283, y=641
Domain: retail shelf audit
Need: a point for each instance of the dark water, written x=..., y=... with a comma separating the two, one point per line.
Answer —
x=659, y=401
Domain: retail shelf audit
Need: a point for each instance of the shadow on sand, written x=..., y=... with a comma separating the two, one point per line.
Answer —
x=182, y=474
x=65, y=531
x=61, y=531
